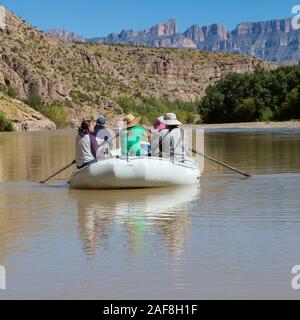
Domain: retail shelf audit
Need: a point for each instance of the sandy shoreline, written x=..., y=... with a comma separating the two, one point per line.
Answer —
x=251, y=125
x=224, y=126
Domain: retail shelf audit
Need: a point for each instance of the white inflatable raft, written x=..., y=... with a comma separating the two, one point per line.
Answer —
x=117, y=173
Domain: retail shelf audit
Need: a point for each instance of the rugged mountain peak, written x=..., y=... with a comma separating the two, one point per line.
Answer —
x=215, y=30
x=164, y=29
x=273, y=40
x=194, y=33
x=263, y=27
x=66, y=35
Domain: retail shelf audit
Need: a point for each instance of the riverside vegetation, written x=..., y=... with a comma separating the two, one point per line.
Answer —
x=152, y=108
x=5, y=124
x=259, y=96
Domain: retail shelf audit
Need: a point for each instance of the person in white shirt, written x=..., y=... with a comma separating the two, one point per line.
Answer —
x=86, y=145
x=172, y=142
x=104, y=134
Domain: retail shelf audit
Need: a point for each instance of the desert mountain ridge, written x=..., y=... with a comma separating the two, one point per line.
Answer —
x=273, y=40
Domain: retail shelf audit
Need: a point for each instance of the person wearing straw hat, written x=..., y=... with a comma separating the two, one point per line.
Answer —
x=171, y=143
x=132, y=137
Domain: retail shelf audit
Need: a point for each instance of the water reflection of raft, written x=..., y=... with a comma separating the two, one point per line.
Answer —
x=130, y=173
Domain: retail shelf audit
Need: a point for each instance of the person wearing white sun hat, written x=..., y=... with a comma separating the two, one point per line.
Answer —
x=171, y=143
x=170, y=119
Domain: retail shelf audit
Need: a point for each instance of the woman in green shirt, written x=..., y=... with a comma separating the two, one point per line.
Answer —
x=132, y=137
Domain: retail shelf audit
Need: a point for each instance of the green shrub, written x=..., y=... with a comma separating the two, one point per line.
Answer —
x=5, y=124
x=80, y=96
x=12, y=92
x=212, y=108
x=58, y=114
x=266, y=115
x=35, y=101
x=246, y=110
x=291, y=106
x=190, y=118
x=62, y=69
x=152, y=108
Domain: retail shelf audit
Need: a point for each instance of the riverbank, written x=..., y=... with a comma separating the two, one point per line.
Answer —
x=251, y=125
x=224, y=126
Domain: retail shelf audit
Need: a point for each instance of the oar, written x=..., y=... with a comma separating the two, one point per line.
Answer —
x=221, y=163
x=58, y=172
x=74, y=161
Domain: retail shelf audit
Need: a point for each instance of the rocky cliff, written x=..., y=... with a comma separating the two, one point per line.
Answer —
x=87, y=79
x=66, y=35
x=164, y=30
x=22, y=116
x=163, y=35
x=273, y=40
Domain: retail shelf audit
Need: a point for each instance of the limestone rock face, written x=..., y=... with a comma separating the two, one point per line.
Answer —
x=273, y=40
x=215, y=30
x=23, y=117
x=66, y=35
x=164, y=29
x=265, y=27
x=195, y=33
x=163, y=35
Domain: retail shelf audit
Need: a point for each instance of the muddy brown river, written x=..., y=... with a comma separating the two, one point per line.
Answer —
x=229, y=237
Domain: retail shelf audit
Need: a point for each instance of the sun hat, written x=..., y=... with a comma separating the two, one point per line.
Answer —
x=132, y=121
x=101, y=121
x=170, y=119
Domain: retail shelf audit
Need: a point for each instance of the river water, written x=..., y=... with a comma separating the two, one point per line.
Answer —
x=229, y=237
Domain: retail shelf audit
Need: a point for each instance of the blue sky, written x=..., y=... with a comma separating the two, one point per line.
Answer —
x=98, y=18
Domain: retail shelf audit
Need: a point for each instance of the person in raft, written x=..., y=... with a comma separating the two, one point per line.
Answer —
x=132, y=137
x=171, y=142
x=159, y=125
x=103, y=134
x=86, y=145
